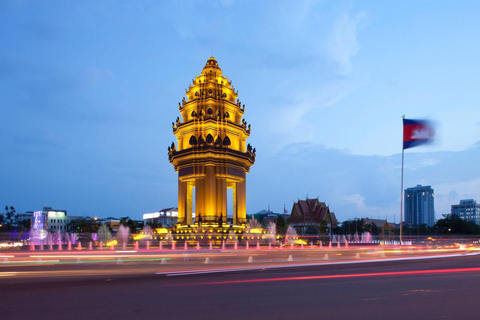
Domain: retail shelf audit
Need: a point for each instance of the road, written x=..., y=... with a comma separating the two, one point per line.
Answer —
x=380, y=288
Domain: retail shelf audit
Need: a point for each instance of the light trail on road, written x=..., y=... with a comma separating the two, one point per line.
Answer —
x=337, y=276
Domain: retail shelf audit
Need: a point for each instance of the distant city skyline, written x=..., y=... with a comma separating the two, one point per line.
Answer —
x=90, y=90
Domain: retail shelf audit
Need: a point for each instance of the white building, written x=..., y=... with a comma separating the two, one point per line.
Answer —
x=53, y=220
x=166, y=217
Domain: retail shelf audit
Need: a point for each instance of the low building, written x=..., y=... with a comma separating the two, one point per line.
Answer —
x=19, y=217
x=311, y=213
x=467, y=210
x=166, y=217
x=52, y=220
x=112, y=223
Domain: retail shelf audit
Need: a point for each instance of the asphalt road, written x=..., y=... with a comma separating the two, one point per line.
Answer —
x=445, y=288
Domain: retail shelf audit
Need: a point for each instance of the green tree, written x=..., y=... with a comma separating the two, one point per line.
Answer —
x=104, y=234
x=281, y=225
x=126, y=221
x=453, y=224
x=8, y=218
x=9, y=214
x=323, y=227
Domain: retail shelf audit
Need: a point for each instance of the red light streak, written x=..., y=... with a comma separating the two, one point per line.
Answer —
x=343, y=276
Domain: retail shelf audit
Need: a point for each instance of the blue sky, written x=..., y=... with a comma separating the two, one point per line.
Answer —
x=90, y=88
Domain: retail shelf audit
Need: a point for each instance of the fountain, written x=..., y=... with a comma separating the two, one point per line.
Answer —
x=291, y=235
x=66, y=237
x=146, y=234
x=271, y=236
x=58, y=237
x=48, y=238
x=366, y=237
x=122, y=235
x=73, y=238
x=356, y=239
x=232, y=237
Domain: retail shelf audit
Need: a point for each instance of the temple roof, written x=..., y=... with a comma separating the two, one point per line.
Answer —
x=311, y=210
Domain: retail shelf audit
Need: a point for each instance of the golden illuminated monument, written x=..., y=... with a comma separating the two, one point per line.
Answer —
x=211, y=154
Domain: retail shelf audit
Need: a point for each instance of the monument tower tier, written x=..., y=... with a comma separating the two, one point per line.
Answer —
x=211, y=154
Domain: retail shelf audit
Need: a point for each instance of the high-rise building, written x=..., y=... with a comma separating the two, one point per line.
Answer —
x=468, y=210
x=419, y=205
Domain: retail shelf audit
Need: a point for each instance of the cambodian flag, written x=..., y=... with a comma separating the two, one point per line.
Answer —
x=416, y=132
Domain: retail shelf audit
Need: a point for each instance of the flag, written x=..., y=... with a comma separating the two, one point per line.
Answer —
x=416, y=132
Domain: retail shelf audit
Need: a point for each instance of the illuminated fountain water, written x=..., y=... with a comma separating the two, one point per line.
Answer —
x=291, y=235
x=146, y=234
x=66, y=239
x=232, y=237
x=122, y=235
x=253, y=230
x=48, y=238
x=356, y=238
x=36, y=236
x=272, y=233
x=57, y=237
x=73, y=237
x=366, y=237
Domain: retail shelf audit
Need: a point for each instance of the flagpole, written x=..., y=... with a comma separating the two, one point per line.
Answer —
x=401, y=190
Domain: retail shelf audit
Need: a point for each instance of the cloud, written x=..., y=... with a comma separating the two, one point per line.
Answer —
x=360, y=186
x=342, y=43
x=356, y=199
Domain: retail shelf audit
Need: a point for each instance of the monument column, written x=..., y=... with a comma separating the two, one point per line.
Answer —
x=182, y=201
x=189, y=203
x=241, y=195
